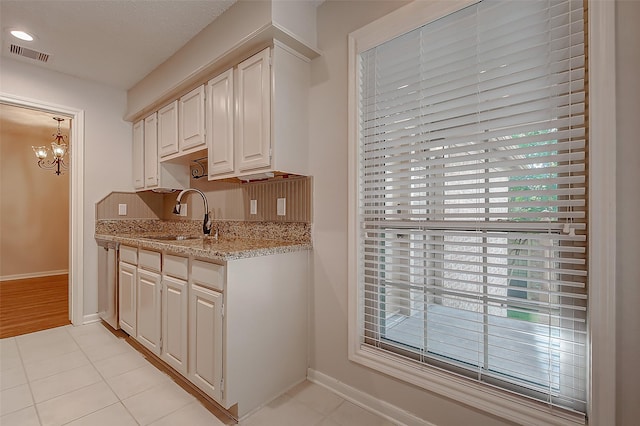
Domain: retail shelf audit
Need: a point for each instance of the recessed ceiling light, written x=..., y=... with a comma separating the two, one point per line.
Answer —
x=22, y=35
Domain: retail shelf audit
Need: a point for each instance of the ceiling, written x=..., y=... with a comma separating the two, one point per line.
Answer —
x=115, y=42
x=33, y=118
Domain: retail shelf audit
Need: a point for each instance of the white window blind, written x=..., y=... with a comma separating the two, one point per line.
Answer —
x=472, y=187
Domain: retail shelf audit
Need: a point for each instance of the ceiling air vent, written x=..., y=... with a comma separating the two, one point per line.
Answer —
x=28, y=53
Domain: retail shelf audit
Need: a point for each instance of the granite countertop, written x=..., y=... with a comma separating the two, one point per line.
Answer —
x=223, y=249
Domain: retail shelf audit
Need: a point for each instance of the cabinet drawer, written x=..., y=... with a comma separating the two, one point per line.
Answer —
x=207, y=274
x=149, y=260
x=129, y=255
x=175, y=266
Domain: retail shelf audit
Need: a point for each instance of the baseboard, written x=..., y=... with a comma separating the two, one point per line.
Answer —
x=381, y=408
x=32, y=275
x=91, y=318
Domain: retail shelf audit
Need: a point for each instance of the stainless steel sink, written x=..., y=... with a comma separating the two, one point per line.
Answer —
x=172, y=237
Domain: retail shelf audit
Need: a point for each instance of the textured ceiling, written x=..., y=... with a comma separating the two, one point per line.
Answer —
x=115, y=42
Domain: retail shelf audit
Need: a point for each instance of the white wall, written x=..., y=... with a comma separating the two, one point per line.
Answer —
x=107, y=143
x=328, y=162
x=628, y=206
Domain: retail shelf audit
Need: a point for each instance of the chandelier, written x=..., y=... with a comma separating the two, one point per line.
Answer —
x=58, y=149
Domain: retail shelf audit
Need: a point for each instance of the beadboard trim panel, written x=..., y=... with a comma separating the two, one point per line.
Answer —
x=297, y=191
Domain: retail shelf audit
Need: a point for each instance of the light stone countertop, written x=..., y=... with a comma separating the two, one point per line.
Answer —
x=223, y=249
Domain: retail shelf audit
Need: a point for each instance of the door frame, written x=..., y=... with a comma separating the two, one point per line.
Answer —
x=76, y=208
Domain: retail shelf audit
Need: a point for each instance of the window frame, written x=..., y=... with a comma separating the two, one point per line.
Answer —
x=601, y=259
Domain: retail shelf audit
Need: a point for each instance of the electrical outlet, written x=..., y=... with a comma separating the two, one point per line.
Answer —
x=122, y=209
x=253, y=207
x=282, y=206
x=183, y=210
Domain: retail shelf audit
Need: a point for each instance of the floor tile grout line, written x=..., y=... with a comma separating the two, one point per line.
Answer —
x=333, y=410
x=342, y=401
x=82, y=387
x=336, y=409
x=62, y=354
x=93, y=412
x=63, y=394
x=120, y=401
x=33, y=399
x=106, y=380
x=58, y=372
x=177, y=409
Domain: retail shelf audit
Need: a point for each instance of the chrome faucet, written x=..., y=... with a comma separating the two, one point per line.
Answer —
x=206, y=225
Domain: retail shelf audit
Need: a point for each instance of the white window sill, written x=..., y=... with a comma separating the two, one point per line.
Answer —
x=481, y=396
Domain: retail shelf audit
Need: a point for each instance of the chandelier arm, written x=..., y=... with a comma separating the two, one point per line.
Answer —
x=53, y=164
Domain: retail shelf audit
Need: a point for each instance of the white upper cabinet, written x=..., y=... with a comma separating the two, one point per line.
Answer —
x=219, y=124
x=148, y=172
x=138, y=155
x=254, y=112
x=290, y=75
x=168, y=129
x=270, y=124
x=151, y=151
x=251, y=120
x=191, y=120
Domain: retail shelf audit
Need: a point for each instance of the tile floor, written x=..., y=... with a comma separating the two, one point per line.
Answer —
x=86, y=376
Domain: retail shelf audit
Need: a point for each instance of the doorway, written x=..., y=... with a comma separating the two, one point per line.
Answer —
x=34, y=266
x=75, y=235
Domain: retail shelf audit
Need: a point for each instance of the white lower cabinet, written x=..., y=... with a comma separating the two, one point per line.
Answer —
x=175, y=305
x=148, y=302
x=205, y=340
x=237, y=330
x=127, y=297
x=148, y=307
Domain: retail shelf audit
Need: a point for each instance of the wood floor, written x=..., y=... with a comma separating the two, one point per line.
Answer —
x=33, y=304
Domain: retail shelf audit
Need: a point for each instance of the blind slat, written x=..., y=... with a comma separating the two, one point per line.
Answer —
x=473, y=184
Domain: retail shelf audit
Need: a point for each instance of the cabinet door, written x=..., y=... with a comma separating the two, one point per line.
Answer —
x=175, y=305
x=148, y=310
x=219, y=124
x=138, y=155
x=168, y=129
x=205, y=340
x=151, y=150
x=254, y=112
x=191, y=119
x=127, y=297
